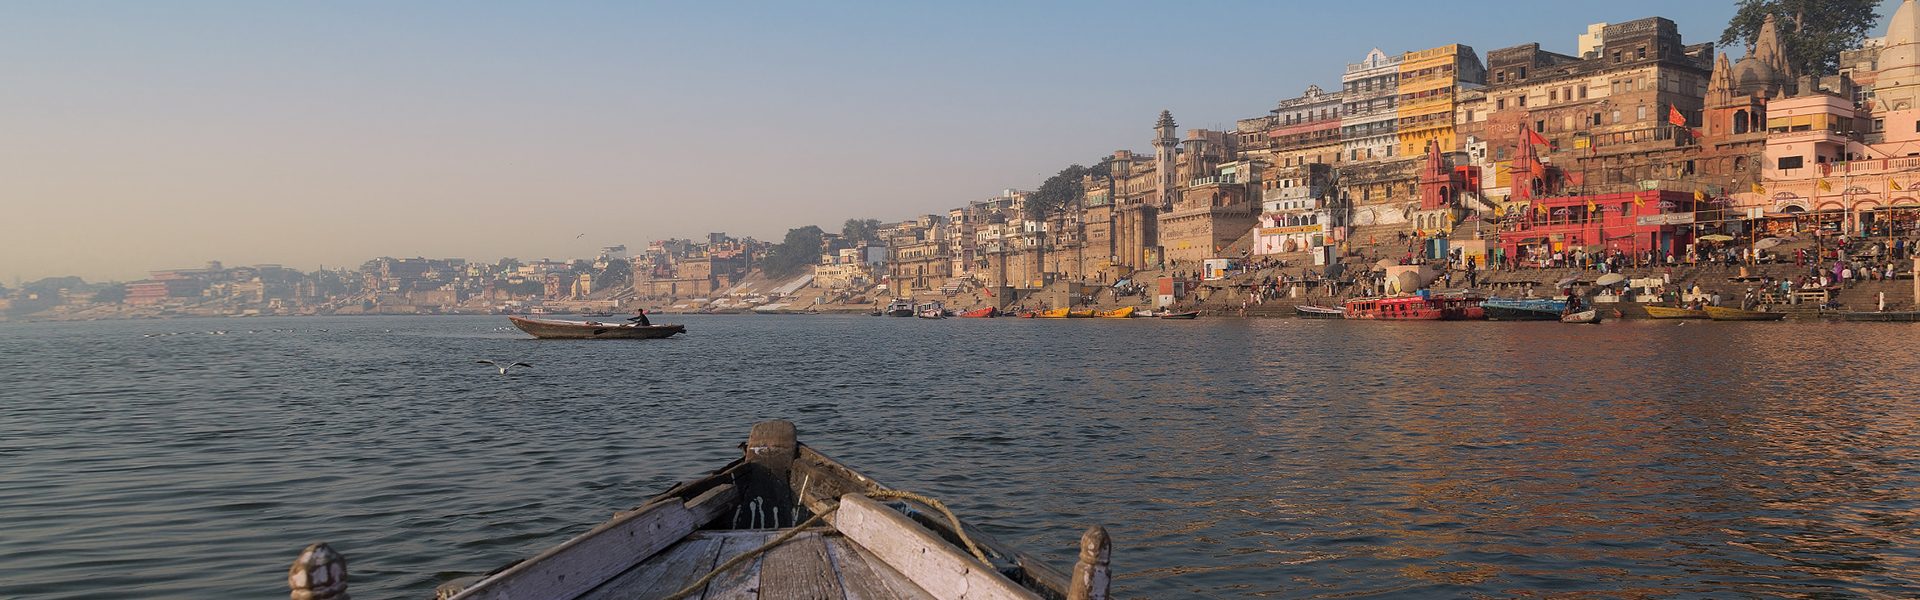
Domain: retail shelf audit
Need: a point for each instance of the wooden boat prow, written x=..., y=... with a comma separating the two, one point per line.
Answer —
x=871, y=542
x=1724, y=313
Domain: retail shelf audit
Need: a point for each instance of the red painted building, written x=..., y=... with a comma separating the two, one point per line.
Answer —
x=1656, y=220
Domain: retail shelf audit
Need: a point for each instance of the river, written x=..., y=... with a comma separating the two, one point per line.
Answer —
x=1229, y=458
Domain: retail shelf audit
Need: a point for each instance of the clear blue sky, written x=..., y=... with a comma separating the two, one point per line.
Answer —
x=146, y=135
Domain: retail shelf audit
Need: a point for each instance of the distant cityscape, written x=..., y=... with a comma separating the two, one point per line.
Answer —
x=1637, y=144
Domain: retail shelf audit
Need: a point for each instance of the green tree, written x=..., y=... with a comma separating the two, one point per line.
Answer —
x=792, y=255
x=861, y=230
x=1056, y=193
x=1814, y=32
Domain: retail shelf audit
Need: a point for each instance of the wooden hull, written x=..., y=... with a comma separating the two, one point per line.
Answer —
x=1523, y=309
x=1064, y=313
x=1587, y=317
x=1881, y=317
x=553, y=329
x=1319, y=312
x=778, y=484
x=1118, y=313
x=1181, y=315
x=1722, y=313
x=1669, y=312
x=984, y=313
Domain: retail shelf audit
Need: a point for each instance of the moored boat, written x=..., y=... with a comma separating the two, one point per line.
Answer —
x=981, y=313
x=1416, y=307
x=1673, y=312
x=931, y=310
x=1125, y=312
x=1588, y=316
x=1085, y=313
x=899, y=308
x=1191, y=314
x=557, y=329
x=1309, y=311
x=1052, y=313
x=1722, y=313
x=1523, y=309
x=782, y=521
x=1897, y=316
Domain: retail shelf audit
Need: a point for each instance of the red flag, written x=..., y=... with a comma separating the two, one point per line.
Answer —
x=1577, y=178
x=1534, y=137
x=1674, y=116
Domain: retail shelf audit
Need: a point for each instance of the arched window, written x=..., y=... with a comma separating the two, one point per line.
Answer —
x=1740, y=123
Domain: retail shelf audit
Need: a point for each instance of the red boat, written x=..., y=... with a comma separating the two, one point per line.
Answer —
x=982, y=313
x=1417, y=308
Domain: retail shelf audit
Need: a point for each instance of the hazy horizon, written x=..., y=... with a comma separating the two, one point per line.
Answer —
x=164, y=135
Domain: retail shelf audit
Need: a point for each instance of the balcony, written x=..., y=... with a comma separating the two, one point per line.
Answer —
x=1214, y=180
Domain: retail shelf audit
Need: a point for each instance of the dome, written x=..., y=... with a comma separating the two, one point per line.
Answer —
x=1752, y=75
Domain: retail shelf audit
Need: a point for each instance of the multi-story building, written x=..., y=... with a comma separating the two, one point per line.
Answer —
x=1298, y=216
x=918, y=256
x=1306, y=129
x=1429, y=86
x=1369, y=94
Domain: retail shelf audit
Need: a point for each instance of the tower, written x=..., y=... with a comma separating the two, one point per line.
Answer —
x=1165, y=145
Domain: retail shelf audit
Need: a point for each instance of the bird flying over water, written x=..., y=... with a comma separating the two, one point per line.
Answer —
x=504, y=366
x=579, y=236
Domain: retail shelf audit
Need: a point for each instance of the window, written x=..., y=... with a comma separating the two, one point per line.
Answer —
x=1879, y=124
x=1523, y=73
x=1540, y=126
x=1500, y=104
x=1791, y=162
x=1553, y=95
x=1500, y=77
x=1583, y=92
x=1523, y=100
x=1640, y=114
x=1643, y=52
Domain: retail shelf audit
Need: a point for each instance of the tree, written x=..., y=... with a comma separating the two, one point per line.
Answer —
x=1814, y=32
x=861, y=230
x=792, y=255
x=1056, y=193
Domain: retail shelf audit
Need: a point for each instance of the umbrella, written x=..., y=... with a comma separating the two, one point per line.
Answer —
x=1609, y=279
x=1385, y=262
x=1568, y=282
x=1718, y=237
x=1767, y=243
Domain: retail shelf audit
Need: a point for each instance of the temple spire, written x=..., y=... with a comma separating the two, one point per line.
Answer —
x=1768, y=49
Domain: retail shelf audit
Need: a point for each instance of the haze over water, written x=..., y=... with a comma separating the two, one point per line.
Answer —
x=1229, y=458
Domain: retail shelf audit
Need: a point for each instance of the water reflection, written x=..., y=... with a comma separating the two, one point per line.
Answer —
x=1228, y=458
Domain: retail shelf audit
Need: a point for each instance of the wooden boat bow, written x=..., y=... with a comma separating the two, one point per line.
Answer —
x=886, y=543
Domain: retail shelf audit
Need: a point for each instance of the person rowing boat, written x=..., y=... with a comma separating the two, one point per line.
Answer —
x=640, y=318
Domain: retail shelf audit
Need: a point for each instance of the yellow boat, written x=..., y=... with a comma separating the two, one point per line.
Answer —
x=1053, y=313
x=1085, y=313
x=1118, y=313
x=1669, y=312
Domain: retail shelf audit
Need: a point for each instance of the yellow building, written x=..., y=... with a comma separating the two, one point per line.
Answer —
x=1430, y=85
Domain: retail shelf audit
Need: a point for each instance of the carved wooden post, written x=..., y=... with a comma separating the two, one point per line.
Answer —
x=1091, y=575
x=771, y=448
x=319, y=574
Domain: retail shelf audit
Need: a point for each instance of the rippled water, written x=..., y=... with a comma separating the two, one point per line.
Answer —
x=1229, y=458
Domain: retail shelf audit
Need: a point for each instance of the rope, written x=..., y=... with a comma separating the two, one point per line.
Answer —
x=736, y=561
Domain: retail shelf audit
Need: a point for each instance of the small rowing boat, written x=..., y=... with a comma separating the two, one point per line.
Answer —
x=981, y=313
x=1722, y=313
x=1309, y=311
x=556, y=329
x=1192, y=314
x=1883, y=317
x=1671, y=312
x=782, y=521
x=1523, y=309
x=1125, y=312
x=1588, y=316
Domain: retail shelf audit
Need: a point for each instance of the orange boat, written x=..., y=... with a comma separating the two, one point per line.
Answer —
x=981, y=313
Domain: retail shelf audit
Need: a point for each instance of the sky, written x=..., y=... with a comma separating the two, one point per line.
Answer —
x=137, y=136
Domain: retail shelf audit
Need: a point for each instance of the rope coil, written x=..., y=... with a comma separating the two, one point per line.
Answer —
x=736, y=561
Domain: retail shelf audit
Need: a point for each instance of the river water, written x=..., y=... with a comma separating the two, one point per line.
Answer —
x=1229, y=458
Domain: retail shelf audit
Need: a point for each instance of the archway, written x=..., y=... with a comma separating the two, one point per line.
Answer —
x=1740, y=123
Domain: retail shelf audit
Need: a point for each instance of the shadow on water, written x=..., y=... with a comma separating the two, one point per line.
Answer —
x=1229, y=458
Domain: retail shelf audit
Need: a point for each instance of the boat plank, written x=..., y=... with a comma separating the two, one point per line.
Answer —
x=583, y=563
x=661, y=575
x=800, y=570
x=926, y=559
x=867, y=578
x=742, y=582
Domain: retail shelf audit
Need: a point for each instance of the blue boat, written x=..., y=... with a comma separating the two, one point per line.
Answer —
x=1523, y=309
